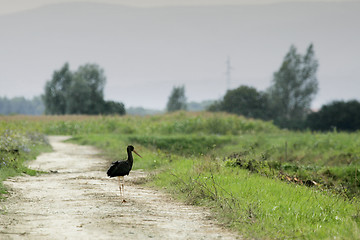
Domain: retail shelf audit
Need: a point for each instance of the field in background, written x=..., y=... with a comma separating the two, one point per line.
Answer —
x=259, y=179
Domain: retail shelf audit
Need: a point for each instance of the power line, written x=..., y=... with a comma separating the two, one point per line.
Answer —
x=228, y=73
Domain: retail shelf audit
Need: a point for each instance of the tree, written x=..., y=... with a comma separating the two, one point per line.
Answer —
x=111, y=107
x=244, y=100
x=79, y=92
x=56, y=91
x=79, y=100
x=215, y=106
x=293, y=87
x=86, y=91
x=340, y=115
x=177, y=100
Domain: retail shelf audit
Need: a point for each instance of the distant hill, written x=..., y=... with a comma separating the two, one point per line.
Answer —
x=146, y=51
x=140, y=111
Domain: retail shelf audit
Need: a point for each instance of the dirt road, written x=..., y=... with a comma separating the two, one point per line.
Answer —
x=76, y=200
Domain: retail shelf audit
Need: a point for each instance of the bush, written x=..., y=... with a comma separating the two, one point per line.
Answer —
x=337, y=115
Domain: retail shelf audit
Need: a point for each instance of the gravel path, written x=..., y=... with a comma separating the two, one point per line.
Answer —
x=76, y=200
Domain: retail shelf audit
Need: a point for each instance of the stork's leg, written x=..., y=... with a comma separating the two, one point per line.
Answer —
x=119, y=178
x=123, y=189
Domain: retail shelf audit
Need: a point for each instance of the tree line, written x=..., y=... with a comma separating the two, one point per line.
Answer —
x=21, y=105
x=287, y=101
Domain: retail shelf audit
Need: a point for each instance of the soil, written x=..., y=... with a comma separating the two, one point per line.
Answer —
x=76, y=200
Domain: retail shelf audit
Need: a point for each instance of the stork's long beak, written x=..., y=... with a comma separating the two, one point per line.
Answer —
x=137, y=153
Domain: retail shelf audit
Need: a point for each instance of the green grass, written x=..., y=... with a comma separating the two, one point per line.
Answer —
x=254, y=205
x=114, y=149
x=181, y=144
x=28, y=146
x=234, y=166
x=175, y=123
x=332, y=160
x=259, y=207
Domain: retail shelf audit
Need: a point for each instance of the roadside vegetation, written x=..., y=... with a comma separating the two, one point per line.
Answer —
x=17, y=147
x=264, y=182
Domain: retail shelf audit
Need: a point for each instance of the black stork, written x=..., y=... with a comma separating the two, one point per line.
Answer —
x=121, y=168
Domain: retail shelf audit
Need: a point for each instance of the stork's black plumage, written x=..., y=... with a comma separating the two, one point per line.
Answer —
x=121, y=168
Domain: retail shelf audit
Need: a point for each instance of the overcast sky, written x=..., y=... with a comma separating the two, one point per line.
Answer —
x=146, y=52
x=10, y=6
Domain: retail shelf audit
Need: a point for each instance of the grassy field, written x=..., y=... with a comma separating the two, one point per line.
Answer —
x=262, y=181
